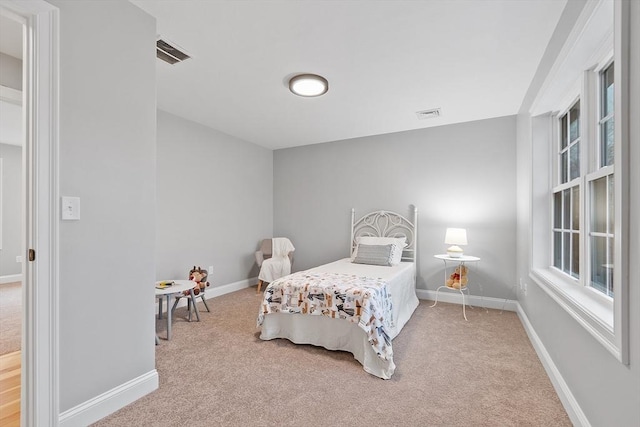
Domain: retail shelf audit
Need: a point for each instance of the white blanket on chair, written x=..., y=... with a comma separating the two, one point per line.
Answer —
x=279, y=264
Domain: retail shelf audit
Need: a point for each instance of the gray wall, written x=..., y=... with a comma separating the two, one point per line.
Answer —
x=607, y=391
x=107, y=158
x=214, y=195
x=10, y=71
x=459, y=175
x=11, y=156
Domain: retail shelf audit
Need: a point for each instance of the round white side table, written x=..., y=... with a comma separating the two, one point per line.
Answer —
x=458, y=262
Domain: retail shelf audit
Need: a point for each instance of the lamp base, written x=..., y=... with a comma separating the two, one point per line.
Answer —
x=454, y=251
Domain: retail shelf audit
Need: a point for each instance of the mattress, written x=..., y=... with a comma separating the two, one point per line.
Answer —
x=339, y=334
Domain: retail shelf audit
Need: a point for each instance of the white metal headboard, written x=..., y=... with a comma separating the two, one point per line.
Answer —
x=387, y=224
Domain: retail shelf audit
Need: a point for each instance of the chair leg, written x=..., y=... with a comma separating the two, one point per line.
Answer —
x=175, y=303
x=195, y=308
x=205, y=303
x=259, y=285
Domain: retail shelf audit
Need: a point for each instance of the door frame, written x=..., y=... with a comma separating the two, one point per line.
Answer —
x=40, y=334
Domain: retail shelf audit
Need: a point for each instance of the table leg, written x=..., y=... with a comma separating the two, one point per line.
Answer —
x=437, y=291
x=160, y=308
x=169, y=316
x=464, y=313
x=445, y=272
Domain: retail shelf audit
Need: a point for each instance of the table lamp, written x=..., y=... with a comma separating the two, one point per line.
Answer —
x=455, y=237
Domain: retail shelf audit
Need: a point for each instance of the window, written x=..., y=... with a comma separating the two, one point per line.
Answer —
x=601, y=235
x=598, y=181
x=566, y=196
x=579, y=209
x=602, y=194
x=570, y=144
x=606, y=117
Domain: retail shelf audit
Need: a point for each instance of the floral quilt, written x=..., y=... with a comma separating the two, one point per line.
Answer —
x=362, y=300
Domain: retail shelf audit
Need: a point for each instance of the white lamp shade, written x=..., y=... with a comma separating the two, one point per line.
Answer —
x=456, y=236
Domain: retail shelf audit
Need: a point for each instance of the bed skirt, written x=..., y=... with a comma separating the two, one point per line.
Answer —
x=334, y=334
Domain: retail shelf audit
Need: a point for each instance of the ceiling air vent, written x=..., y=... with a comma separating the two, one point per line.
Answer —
x=428, y=114
x=168, y=52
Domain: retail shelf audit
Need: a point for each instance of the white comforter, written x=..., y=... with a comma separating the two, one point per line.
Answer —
x=337, y=334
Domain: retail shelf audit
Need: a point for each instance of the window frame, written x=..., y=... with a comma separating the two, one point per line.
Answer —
x=590, y=101
x=606, y=319
x=590, y=306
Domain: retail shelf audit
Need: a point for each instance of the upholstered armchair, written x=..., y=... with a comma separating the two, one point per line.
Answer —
x=272, y=266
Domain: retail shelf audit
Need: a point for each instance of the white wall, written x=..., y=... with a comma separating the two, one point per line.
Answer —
x=214, y=197
x=459, y=175
x=107, y=158
x=11, y=191
x=606, y=392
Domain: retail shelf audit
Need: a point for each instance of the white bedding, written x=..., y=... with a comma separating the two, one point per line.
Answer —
x=338, y=334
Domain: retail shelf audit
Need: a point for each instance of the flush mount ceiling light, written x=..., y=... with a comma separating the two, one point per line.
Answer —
x=308, y=85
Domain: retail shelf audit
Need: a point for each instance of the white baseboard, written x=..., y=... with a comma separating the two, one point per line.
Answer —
x=10, y=278
x=577, y=416
x=455, y=297
x=118, y=397
x=216, y=291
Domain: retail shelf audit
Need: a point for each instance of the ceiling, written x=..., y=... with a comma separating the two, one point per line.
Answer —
x=384, y=61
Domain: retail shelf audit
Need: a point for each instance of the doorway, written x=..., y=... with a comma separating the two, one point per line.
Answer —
x=11, y=214
x=39, y=342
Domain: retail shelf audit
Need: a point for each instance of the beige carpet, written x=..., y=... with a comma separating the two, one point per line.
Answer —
x=483, y=372
x=10, y=317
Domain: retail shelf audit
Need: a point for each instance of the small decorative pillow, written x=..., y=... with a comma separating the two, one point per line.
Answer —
x=374, y=254
x=398, y=242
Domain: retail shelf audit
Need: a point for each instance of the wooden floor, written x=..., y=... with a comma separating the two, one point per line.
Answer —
x=10, y=389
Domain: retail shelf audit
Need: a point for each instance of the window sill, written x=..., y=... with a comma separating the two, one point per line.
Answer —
x=591, y=310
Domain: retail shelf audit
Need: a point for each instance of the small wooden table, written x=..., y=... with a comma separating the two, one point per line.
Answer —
x=178, y=287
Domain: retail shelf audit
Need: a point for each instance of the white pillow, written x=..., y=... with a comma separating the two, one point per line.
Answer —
x=398, y=242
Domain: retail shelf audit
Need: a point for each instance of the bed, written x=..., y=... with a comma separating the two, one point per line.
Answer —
x=351, y=304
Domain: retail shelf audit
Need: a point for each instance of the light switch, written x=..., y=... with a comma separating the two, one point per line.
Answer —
x=70, y=208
